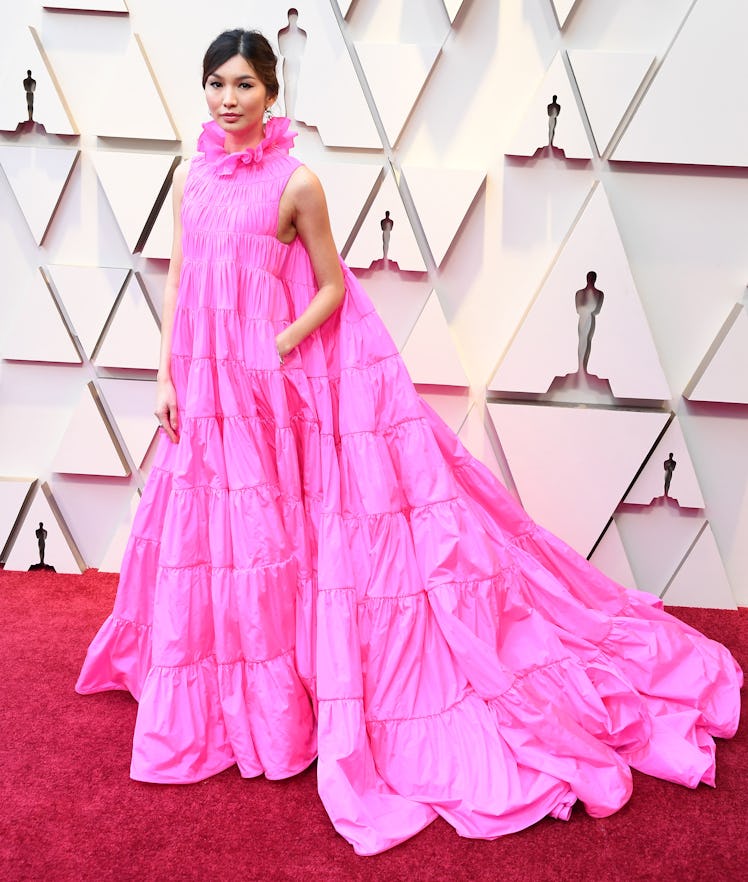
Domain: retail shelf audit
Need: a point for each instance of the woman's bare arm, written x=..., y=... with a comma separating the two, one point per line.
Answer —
x=166, y=398
x=303, y=211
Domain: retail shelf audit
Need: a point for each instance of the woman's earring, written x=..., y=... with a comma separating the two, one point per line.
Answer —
x=267, y=114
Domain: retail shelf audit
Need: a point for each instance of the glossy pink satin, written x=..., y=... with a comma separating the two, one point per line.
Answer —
x=320, y=569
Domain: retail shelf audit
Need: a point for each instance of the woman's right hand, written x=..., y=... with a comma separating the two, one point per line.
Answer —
x=166, y=408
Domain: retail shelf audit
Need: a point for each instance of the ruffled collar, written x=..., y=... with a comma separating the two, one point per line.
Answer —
x=212, y=139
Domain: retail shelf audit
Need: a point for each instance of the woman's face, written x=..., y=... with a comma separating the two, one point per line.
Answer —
x=237, y=98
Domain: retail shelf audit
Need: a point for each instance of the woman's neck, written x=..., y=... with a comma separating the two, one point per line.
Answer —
x=236, y=142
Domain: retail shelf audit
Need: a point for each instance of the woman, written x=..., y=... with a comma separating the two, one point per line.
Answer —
x=318, y=568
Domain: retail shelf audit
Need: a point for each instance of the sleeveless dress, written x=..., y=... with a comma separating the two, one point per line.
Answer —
x=319, y=569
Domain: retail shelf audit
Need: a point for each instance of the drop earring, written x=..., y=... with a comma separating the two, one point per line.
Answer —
x=266, y=115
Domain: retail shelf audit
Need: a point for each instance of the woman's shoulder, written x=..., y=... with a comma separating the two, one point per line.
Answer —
x=304, y=186
x=182, y=170
x=179, y=178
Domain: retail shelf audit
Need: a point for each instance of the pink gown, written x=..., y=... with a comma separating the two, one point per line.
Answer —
x=319, y=569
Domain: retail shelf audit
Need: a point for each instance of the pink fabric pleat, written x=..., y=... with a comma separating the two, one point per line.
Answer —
x=319, y=569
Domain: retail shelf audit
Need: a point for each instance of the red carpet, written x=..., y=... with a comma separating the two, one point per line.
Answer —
x=70, y=811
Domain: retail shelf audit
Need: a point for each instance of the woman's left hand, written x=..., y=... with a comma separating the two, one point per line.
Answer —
x=283, y=344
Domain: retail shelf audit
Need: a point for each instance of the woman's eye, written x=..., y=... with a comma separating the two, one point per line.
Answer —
x=214, y=83
x=246, y=85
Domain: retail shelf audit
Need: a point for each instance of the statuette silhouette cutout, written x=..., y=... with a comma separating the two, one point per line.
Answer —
x=30, y=125
x=29, y=84
x=669, y=466
x=554, y=109
x=41, y=541
x=581, y=385
x=549, y=149
x=386, y=224
x=292, y=43
x=589, y=302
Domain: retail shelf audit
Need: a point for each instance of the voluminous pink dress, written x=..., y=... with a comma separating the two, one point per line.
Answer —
x=319, y=569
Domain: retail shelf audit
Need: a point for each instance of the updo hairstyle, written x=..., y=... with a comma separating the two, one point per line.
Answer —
x=253, y=47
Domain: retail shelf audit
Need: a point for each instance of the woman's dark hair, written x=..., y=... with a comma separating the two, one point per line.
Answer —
x=253, y=48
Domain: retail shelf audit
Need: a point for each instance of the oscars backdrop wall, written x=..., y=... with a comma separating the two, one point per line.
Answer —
x=545, y=200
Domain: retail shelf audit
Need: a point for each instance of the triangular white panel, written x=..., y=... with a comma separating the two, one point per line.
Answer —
x=148, y=462
x=344, y=6
x=61, y=551
x=13, y=493
x=112, y=559
x=330, y=96
x=610, y=558
x=452, y=7
x=87, y=447
x=396, y=73
x=533, y=132
x=132, y=183
x=131, y=404
x=657, y=539
x=20, y=53
x=607, y=83
x=701, y=580
x=88, y=294
x=572, y=465
x=90, y=6
x=133, y=339
x=153, y=281
x=621, y=328
x=347, y=188
x=430, y=353
x=38, y=331
x=442, y=197
x=452, y=408
x=693, y=110
x=368, y=246
x=684, y=485
x=37, y=176
x=139, y=110
x=723, y=374
x=159, y=242
x=474, y=436
x=562, y=8
x=398, y=299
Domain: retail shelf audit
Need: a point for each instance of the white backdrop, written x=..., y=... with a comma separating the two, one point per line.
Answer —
x=437, y=112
